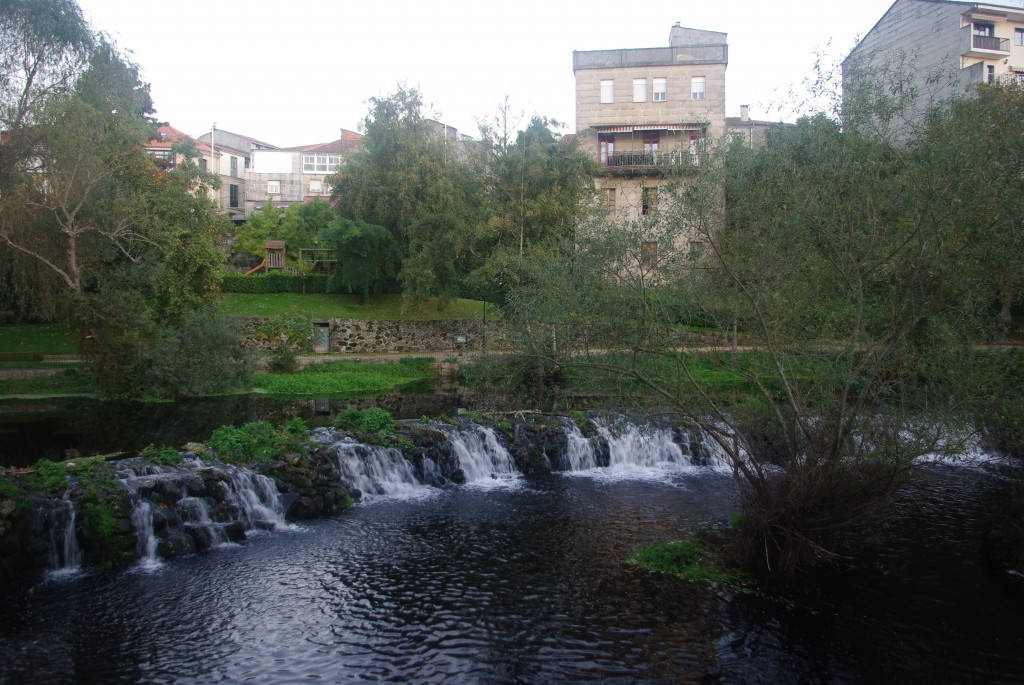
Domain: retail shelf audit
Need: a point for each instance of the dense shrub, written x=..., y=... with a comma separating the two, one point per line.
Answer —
x=275, y=282
x=258, y=441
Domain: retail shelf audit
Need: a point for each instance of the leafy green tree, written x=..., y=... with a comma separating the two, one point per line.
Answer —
x=366, y=256
x=536, y=185
x=842, y=254
x=299, y=227
x=972, y=139
x=410, y=178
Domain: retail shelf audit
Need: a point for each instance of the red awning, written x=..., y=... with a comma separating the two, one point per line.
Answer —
x=650, y=127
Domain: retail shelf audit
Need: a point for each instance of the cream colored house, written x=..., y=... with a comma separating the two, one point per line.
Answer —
x=294, y=175
x=647, y=114
x=964, y=43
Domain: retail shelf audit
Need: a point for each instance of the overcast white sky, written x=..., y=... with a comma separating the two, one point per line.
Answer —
x=294, y=73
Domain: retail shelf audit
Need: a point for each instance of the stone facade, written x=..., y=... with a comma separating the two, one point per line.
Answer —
x=647, y=115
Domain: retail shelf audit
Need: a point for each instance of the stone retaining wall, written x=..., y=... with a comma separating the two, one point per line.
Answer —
x=356, y=336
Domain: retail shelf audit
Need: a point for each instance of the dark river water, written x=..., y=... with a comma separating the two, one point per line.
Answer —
x=527, y=582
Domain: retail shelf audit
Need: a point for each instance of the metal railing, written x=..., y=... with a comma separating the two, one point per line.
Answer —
x=657, y=158
x=990, y=43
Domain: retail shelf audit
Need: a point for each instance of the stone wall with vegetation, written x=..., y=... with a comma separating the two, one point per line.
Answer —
x=352, y=335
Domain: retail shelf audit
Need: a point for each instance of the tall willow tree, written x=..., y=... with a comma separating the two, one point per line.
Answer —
x=411, y=178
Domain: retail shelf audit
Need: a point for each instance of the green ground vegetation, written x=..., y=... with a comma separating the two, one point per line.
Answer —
x=258, y=441
x=49, y=338
x=388, y=307
x=71, y=381
x=694, y=559
x=345, y=377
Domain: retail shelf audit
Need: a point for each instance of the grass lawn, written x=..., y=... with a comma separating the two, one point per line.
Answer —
x=346, y=377
x=48, y=338
x=319, y=306
x=66, y=382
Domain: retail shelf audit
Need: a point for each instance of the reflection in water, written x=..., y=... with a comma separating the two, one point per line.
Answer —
x=31, y=430
x=528, y=584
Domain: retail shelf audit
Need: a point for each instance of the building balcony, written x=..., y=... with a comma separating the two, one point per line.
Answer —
x=982, y=47
x=629, y=161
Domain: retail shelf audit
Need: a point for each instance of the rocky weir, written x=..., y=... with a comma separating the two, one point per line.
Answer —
x=118, y=511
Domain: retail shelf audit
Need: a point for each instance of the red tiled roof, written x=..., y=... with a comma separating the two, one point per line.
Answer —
x=169, y=137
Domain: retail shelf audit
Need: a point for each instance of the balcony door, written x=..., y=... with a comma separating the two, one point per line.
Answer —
x=651, y=141
x=606, y=146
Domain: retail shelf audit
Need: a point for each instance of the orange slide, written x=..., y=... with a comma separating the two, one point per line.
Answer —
x=256, y=268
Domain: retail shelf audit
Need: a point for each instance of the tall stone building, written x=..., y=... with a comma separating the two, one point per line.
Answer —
x=646, y=114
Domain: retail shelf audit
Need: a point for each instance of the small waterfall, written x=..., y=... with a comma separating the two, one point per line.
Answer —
x=257, y=500
x=377, y=471
x=580, y=453
x=480, y=455
x=65, y=557
x=195, y=518
x=146, y=542
x=628, y=445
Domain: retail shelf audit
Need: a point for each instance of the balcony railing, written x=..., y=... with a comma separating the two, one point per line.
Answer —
x=659, y=158
x=990, y=43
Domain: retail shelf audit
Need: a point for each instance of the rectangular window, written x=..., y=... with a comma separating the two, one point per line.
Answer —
x=233, y=195
x=607, y=92
x=698, y=84
x=320, y=163
x=202, y=163
x=639, y=90
x=606, y=145
x=990, y=74
x=696, y=250
x=648, y=253
x=1018, y=37
x=986, y=30
x=273, y=187
x=649, y=201
x=608, y=200
x=234, y=166
x=660, y=89
x=316, y=187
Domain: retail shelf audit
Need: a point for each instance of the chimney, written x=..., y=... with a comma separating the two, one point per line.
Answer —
x=744, y=112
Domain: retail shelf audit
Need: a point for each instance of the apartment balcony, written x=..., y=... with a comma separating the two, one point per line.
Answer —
x=982, y=47
x=638, y=161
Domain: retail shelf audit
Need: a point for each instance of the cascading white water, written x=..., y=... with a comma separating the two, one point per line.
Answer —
x=146, y=542
x=65, y=555
x=629, y=445
x=376, y=471
x=257, y=500
x=579, y=450
x=481, y=456
x=195, y=515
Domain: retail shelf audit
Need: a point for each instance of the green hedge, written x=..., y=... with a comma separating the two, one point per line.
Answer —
x=261, y=284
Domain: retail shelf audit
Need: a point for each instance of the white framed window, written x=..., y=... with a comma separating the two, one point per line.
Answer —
x=1018, y=37
x=639, y=90
x=698, y=87
x=273, y=187
x=660, y=89
x=607, y=92
x=316, y=187
x=320, y=163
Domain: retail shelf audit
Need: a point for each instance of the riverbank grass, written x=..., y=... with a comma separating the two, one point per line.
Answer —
x=347, y=377
x=48, y=338
x=693, y=559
